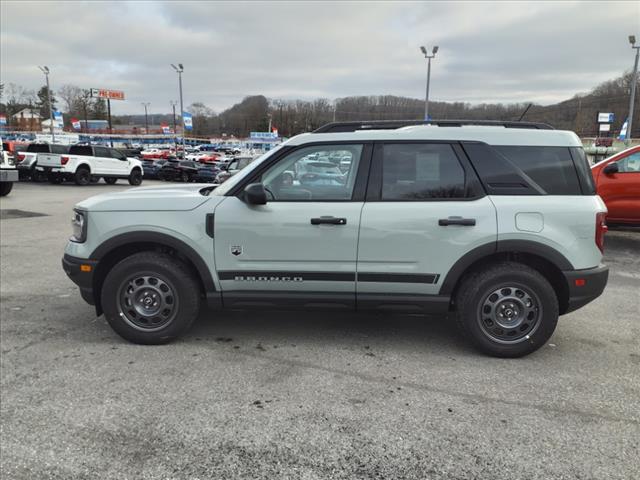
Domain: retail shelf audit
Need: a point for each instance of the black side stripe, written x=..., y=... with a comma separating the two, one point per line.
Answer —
x=290, y=276
x=399, y=277
x=275, y=276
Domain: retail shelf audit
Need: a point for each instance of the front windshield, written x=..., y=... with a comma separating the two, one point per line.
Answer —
x=229, y=184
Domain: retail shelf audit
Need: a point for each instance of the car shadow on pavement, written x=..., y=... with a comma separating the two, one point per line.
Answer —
x=337, y=330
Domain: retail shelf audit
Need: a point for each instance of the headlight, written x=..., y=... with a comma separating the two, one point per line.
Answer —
x=79, y=226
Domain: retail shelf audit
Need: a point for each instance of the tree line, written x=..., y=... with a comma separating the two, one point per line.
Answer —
x=290, y=117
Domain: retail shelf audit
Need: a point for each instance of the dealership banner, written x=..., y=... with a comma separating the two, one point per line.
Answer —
x=187, y=118
x=263, y=135
x=75, y=123
x=57, y=117
x=165, y=128
x=623, y=130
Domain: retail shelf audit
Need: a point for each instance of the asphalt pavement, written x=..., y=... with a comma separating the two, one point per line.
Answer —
x=301, y=395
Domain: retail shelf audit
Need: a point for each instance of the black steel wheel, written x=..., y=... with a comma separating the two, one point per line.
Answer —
x=82, y=176
x=135, y=177
x=150, y=298
x=506, y=309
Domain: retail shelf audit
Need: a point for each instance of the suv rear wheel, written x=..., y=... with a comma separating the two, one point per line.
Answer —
x=150, y=298
x=507, y=309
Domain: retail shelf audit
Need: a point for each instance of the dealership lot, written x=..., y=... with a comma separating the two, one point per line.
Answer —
x=301, y=395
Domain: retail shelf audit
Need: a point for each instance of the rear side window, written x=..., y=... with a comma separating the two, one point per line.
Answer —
x=102, y=152
x=81, y=150
x=38, y=148
x=552, y=168
x=414, y=172
x=59, y=149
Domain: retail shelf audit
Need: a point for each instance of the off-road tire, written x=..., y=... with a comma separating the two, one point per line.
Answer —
x=474, y=294
x=135, y=177
x=183, y=287
x=5, y=188
x=82, y=176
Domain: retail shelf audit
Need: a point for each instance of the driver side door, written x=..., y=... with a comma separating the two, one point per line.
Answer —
x=300, y=248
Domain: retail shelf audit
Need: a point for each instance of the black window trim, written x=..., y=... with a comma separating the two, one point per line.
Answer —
x=359, y=188
x=374, y=189
x=585, y=187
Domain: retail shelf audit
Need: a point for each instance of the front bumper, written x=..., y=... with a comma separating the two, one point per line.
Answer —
x=80, y=271
x=585, y=285
x=8, y=175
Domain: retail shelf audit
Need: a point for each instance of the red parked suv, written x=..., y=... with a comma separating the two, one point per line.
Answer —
x=618, y=183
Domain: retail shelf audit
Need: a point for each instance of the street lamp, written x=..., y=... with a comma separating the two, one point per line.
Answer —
x=146, y=118
x=634, y=81
x=45, y=70
x=173, y=104
x=428, y=57
x=179, y=69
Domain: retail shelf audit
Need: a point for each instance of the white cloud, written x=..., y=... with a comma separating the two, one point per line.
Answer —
x=489, y=51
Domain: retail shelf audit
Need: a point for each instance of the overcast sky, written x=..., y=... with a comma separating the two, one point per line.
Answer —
x=494, y=51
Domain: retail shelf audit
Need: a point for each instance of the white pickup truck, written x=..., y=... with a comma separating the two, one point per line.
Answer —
x=86, y=162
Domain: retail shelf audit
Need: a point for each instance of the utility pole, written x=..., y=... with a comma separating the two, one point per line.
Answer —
x=634, y=81
x=179, y=69
x=175, y=131
x=146, y=117
x=428, y=57
x=45, y=70
x=269, y=115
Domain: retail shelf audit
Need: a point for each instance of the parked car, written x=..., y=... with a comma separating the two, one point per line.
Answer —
x=151, y=168
x=316, y=172
x=498, y=225
x=85, y=163
x=184, y=171
x=231, y=168
x=27, y=159
x=207, y=173
x=617, y=181
x=155, y=153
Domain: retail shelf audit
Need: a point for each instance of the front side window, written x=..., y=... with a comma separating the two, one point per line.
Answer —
x=313, y=174
x=415, y=172
x=629, y=164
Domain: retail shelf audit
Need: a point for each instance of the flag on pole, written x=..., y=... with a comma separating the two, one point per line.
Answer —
x=187, y=118
x=75, y=123
x=58, y=120
x=3, y=119
x=274, y=130
x=623, y=130
x=165, y=128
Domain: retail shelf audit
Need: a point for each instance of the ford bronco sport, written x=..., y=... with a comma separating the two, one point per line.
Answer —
x=495, y=223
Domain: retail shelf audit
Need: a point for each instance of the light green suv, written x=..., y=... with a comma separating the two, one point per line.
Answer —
x=496, y=223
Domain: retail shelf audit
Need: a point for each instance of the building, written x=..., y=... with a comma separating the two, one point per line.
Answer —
x=26, y=119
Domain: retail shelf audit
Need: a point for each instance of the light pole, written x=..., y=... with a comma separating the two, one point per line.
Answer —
x=634, y=81
x=175, y=131
x=179, y=69
x=45, y=70
x=146, y=117
x=428, y=57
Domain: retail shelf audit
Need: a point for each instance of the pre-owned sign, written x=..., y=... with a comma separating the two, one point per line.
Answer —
x=110, y=94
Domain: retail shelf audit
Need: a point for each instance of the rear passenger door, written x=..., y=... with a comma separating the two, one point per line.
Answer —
x=424, y=210
x=102, y=162
x=119, y=162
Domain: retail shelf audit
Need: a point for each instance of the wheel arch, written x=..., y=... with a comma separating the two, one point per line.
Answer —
x=121, y=246
x=546, y=260
x=82, y=165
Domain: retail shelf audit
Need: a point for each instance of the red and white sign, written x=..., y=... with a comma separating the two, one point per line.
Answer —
x=165, y=128
x=274, y=130
x=76, y=124
x=3, y=119
x=110, y=94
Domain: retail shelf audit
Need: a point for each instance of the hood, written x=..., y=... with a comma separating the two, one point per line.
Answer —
x=160, y=198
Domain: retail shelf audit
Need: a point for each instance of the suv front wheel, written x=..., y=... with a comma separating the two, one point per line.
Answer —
x=507, y=309
x=150, y=298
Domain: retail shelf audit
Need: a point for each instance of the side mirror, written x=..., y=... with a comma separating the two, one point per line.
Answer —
x=611, y=169
x=255, y=194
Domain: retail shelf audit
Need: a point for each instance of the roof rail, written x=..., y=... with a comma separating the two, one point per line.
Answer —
x=336, y=127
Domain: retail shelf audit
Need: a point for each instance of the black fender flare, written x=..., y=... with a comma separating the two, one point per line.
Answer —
x=523, y=246
x=162, y=239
